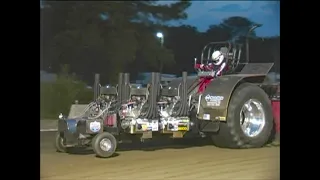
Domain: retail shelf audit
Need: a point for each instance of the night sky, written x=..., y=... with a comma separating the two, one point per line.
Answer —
x=204, y=13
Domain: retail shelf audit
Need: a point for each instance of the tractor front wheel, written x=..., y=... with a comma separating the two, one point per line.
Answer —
x=249, y=120
x=60, y=147
x=104, y=144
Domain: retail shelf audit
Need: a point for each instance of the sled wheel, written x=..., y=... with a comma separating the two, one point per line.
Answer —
x=104, y=144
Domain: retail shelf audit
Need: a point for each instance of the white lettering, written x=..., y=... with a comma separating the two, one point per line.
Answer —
x=213, y=100
x=209, y=98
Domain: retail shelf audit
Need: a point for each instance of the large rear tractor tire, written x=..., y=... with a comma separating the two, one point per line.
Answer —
x=249, y=120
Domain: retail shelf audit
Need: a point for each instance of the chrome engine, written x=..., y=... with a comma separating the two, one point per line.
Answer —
x=130, y=112
x=168, y=121
x=100, y=107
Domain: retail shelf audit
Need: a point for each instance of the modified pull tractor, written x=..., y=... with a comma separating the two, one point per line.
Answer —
x=233, y=109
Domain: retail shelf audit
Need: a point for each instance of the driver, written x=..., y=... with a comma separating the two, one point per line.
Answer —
x=217, y=64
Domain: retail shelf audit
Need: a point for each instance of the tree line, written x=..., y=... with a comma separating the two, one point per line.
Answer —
x=111, y=37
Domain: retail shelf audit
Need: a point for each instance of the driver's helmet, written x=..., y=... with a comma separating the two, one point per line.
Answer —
x=217, y=57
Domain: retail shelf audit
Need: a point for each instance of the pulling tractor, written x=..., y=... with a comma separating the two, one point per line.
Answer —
x=234, y=110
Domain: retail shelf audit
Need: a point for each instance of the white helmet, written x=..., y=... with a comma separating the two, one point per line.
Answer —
x=217, y=57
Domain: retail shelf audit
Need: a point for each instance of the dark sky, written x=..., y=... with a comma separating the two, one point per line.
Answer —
x=204, y=13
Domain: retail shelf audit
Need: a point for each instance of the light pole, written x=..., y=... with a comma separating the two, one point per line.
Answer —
x=161, y=39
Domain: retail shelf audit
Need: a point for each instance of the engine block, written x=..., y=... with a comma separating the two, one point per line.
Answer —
x=164, y=125
x=133, y=124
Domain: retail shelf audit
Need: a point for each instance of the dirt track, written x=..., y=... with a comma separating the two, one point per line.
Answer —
x=202, y=161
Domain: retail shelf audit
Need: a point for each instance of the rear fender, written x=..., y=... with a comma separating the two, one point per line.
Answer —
x=215, y=99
